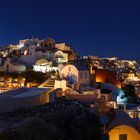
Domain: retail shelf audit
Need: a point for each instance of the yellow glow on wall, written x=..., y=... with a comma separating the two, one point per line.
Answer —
x=132, y=134
x=91, y=70
x=99, y=79
x=119, y=85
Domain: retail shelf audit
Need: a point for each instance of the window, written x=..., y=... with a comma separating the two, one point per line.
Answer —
x=123, y=137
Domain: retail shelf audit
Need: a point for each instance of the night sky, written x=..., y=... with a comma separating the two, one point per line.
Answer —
x=91, y=27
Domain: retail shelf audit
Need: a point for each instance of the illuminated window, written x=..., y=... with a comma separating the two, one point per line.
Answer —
x=123, y=137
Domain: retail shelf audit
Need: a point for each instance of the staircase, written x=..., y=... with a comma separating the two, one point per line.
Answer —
x=47, y=84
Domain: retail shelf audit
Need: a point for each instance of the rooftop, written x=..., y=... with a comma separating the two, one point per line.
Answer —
x=81, y=64
x=23, y=92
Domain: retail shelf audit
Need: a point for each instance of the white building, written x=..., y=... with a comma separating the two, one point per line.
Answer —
x=78, y=76
x=60, y=57
x=42, y=65
x=13, y=67
x=63, y=47
x=23, y=97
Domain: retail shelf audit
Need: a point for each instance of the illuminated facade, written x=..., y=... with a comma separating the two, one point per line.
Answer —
x=76, y=75
x=124, y=132
x=70, y=72
x=107, y=76
x=63, y=47
x=42, y=65
x=60, y=57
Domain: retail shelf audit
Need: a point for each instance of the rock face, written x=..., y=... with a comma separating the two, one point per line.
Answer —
x=61, y=120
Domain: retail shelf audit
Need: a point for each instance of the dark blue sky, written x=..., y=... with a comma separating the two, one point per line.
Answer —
x=94, y=27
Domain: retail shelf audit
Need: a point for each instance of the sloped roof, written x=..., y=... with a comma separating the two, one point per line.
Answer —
x=81, y=64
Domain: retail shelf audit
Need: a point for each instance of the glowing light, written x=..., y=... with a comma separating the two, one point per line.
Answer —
x=120, y=98
x=44, y=68
x=21, y=45
x=99, y=79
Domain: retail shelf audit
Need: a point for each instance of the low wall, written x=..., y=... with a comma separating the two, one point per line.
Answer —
x=10, y=103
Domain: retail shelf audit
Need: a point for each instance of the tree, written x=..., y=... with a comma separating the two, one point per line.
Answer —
x=33, y=76
x=129, y=90
x=129, y=93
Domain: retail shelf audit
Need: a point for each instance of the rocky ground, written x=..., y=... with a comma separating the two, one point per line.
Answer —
x=63, y=119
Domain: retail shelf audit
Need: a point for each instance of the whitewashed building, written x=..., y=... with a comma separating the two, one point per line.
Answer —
x=78, y=75
x=42, y=65
x=13, y=67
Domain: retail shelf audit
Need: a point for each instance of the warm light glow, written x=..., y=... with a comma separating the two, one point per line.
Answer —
x=118, y=85
x=132, y=133
x=99, y=79
x=44, y=68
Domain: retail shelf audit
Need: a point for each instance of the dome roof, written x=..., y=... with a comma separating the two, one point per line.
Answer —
x=41, y=62
x=121, y=118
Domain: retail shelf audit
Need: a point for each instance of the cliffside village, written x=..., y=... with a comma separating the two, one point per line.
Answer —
x=95, y=81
